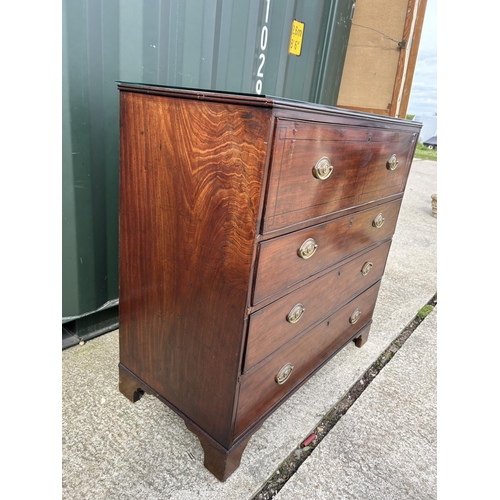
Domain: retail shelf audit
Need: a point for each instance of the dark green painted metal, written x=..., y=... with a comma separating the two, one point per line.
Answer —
x=335, y=42
x=88, y=327
x=211, y=44
x=90, y=157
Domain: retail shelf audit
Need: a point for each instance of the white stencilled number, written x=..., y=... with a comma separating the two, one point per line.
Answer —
x=263, y=44
x=263, y=38
x=260, y=74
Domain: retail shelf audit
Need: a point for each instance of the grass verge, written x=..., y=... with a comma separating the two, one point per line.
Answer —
x=423, y=153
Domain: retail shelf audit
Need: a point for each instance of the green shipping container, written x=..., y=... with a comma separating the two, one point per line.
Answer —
x=226, y=45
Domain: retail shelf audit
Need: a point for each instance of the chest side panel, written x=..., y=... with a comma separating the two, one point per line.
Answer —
x=190, y=182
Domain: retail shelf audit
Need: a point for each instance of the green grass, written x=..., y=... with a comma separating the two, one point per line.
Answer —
x=424, y=153
x=425, y=311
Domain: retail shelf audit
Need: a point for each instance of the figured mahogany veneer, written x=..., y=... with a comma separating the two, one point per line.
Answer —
x=269, y=328
x=221, y=316
x=279, y=265
x=359, y=160
x=259, y=391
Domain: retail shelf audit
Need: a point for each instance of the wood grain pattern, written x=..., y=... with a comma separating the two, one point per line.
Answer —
x=406, y=62
x=412, y=60
x=218, y=460
x=204, y=293
x=191, y=178
x=359, y=158
x=269, y=329
x=279, y=265
x=259, y=390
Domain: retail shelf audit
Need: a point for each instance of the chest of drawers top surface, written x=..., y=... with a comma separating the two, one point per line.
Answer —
x=253, y=236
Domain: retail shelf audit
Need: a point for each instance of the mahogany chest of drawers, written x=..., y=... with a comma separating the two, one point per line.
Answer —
x=254, y=233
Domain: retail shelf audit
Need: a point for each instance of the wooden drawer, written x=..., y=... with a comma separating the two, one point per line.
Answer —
x=279, y=263
x=259, y=390
x=273, y=326
x=359, y=157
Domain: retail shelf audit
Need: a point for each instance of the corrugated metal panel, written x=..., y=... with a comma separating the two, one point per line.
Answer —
x=227, y=45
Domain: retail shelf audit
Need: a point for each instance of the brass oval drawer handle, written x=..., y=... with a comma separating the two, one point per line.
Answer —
x=284, y=374
x=366, y=268
x=307, y=249
x=296, y=313
x=355, y=316
x=392, y=163
x=378, y=221
x=323, y=168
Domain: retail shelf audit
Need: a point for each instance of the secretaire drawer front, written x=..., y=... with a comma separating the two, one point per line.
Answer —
x=275, y=377
x=286, y=260
x=274, y=325
x=318, y=169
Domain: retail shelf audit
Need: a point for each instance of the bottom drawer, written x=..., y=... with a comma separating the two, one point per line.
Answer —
x=272, y=380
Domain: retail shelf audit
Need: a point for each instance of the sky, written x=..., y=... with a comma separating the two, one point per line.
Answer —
x=423, y=96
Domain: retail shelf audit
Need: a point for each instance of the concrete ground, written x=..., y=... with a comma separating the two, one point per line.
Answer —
x=384, y=447
x=386, y=444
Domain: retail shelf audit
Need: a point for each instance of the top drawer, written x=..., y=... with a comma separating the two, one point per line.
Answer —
x=356, y=163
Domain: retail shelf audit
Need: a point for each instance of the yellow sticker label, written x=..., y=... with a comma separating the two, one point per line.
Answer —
x=296, y=38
